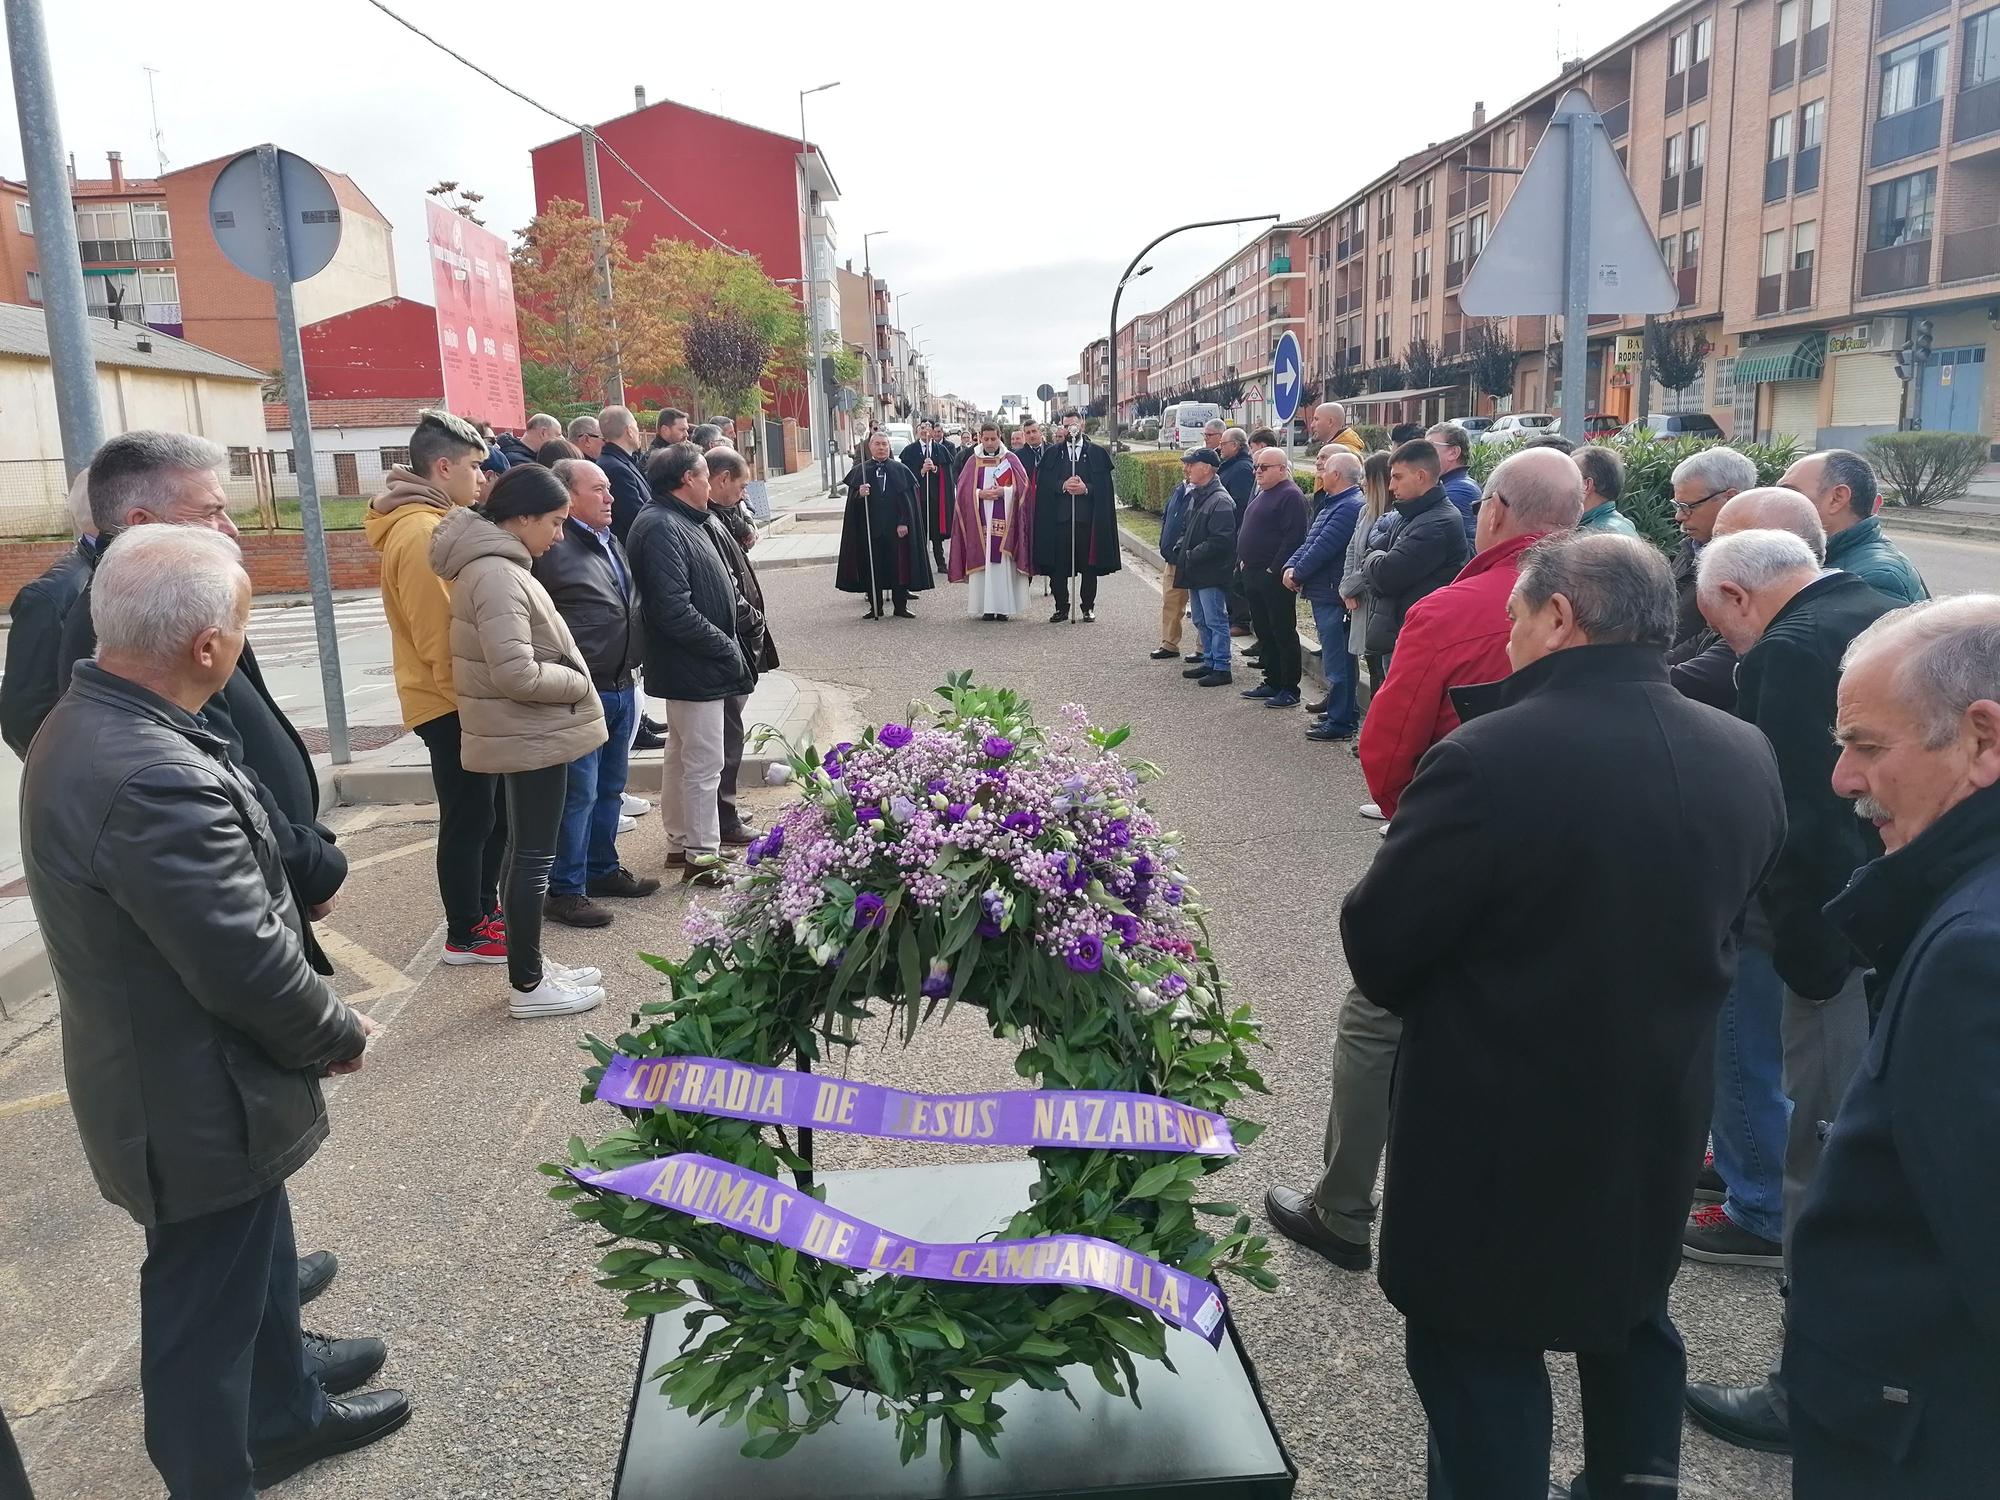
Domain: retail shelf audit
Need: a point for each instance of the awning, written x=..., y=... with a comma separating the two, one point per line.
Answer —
x=1799, y=358
x=1386, y=397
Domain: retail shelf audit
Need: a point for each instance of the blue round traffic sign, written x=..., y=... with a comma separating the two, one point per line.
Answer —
x=1286, y=382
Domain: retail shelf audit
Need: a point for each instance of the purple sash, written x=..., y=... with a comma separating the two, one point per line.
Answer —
x=753, y=1204
x=1084, y=1119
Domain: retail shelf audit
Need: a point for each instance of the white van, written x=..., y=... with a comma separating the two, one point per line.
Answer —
x=901, y=435
x=1181, y=423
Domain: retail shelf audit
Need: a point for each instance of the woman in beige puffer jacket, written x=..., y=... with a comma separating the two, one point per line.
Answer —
x=526, y=705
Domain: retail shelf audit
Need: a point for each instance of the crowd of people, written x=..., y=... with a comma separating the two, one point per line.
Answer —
x=1690, y=880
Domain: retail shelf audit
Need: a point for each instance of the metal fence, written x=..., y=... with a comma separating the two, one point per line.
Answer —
x=262, y=484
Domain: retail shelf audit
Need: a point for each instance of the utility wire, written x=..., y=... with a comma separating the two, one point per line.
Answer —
x=586, y=130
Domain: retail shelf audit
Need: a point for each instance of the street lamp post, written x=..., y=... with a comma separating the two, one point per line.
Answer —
x=1132, y=273
x=818, y=413
x=874, y=327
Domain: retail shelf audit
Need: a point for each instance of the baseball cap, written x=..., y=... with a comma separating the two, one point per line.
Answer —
x=1202, y=456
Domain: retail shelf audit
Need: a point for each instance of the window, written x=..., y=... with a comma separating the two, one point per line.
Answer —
x=34, y=286
x=1677, y=53
x=1476, y=235
x=1818, y=14
x=1774, y=253
x=1690, y=249
x=1704, y=39
x=149, y=222
x=1668, y=244
x=1675, y=149
x=392, y=457
x=1982, y=53
x=1510, y=143
x=1912, y=76
x=1420, y=326
x=1900, y=212
x=1455, y=250
x=24, y=217
x=239, y=463
x=1697, y=146
x=1812, y=133
x=1781, y=137
x=1788, y=21
x=1805, y=245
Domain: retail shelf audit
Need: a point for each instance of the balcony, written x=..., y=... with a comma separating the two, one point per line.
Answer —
x=1420, y=288
x=165, y=316
x=1670, y=195
x=1478, y=190
x=1698, y=82
x=98, y=252
x=1454, y=273
x=1421, y=223
x=1805, y=176
x=1910, y=133
x=1777, y=179
x=1784, y=65
x=1281, y=265
x=1896, y=268
x=1971, y=254
x=1454, y=344
x=1618, y=119
x=1896, y=14
x=1687, y=282
x=1813, y=51
x=1677, y=84
x=1978, y=112
x=1799, y=287
x=1691, y=187
x=1770, y=294
x=1382, y=288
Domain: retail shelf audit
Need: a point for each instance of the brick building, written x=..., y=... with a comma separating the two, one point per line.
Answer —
x=1821, y=175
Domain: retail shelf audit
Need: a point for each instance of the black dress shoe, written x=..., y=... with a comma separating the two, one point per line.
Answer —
x=351, y=1422
x=1058, y=617
x=575, y=911
x=1194, y=672
x=316, y=1273
x=622, y=883
x=1291, y=1213
x=339, y=1365
x=648, y=740
x=1193, y=656
x=1745, y=1415
x=903, y=614
x=1089, y=615
x=651, y=725
x=1319, y=707
x=1165, y=653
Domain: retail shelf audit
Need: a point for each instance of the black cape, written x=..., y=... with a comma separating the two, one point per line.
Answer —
x=901, y=562
x=1084, y=525
x=934, y=490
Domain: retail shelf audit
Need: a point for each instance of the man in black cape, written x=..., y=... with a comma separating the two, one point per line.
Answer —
x=883, y=521
x=929, y=460
x=1076, y=526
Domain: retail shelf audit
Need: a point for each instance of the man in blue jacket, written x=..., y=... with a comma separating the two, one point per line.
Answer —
x=1892, y=1346
x=1314, y=574
x=1173, y=598
x=1237, y=476
x=1454, y=446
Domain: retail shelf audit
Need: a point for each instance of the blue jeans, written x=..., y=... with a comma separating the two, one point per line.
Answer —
x=1752, y=1115
x=1211, y=621
x=1342, y=711
x=588, y=845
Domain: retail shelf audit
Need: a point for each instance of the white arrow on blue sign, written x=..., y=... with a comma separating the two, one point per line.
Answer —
x=1286, y=386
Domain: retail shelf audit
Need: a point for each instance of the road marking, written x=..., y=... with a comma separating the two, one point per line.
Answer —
x=388, y=854
x=381, y=977
x=33, y=1103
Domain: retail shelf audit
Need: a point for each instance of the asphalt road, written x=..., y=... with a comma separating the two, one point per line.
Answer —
x=520, y=1368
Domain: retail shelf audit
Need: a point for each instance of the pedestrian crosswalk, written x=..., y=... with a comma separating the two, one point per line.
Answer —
x=283, y=634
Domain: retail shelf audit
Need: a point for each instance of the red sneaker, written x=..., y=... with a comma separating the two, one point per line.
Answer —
x=487, y=947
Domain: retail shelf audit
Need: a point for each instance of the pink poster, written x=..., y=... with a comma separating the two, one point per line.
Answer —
x=474, y=286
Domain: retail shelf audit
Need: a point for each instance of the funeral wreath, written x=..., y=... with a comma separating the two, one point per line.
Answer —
x=975, y=857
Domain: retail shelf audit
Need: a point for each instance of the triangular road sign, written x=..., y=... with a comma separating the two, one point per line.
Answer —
x=1521, y=270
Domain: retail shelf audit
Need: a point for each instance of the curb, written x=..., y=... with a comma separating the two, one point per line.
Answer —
x=773, y=564
x=1309, y=654
x=24, y=970
x=365, y=786
x=1941, y=523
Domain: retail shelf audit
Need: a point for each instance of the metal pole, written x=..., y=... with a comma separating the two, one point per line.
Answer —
x=1645, y=402
x=63, y=310
x=1576, y=304
x=614, y=376
x=318, y=575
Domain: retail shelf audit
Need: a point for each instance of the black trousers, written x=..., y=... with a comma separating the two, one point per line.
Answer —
x=1490, y=1414
x=13, y=1473
x=534, y=816
x=472, y=833
x=221, y=1364
x=732, y=762
x=1273, y=616
x=1086, y=589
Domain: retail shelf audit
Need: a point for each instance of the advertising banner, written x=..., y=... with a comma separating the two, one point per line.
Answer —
x=477, y=343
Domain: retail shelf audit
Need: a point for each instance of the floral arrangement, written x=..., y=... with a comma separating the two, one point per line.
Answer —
x=977, y=858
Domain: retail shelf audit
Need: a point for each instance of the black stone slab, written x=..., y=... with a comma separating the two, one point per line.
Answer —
x=1203, y=1434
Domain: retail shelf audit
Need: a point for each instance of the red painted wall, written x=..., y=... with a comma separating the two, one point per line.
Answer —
x=735, y=180
x=386, y=349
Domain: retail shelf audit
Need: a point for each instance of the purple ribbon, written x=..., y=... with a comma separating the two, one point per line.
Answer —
x=1086, y=1119
x=750, y=1203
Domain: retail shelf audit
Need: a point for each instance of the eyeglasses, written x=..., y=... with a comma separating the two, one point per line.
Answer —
x=1682, y=508
x=1268, y=466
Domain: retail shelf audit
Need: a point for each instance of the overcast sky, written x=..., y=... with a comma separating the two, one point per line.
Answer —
x=1135, y=118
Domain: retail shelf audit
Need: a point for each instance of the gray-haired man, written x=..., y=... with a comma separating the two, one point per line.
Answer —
x=194, y=1028
x=588, y=436
x=1702, y=482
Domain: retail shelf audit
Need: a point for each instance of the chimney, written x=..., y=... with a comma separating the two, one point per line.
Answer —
x=1479, y=114
x=638, y=96
x=117, y=160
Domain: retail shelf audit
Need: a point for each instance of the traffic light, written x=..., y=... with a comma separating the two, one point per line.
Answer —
x=1920, y=343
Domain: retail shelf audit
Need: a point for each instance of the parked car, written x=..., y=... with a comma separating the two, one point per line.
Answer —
x=1517, y=425
x=1181, y=423
x=1676, y=424
x=1147, y=429
x=1475, y=425
x=1599, y=424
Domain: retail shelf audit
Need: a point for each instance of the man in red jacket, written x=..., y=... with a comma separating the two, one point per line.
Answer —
x=1458, y=635
x=1452, y=638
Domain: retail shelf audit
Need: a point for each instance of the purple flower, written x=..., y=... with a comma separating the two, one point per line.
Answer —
x=1143, y=866
x=997, y=746
x=1173, y=895
x=867, y=814
x=937, y=784
x=1087, y=957
x=1075, y=874
x=867, y=910
x=860, y=786
x=755, y=853
x=938, y=983
x=1172, y=984
x=1023, y=822
x=774, y=841
x=902, y=807
x=832, y=761
x=1118, y=833
x=993, y=908
x=956, y=811
x=895, y=736
x=1127, y=928
x=988, y=927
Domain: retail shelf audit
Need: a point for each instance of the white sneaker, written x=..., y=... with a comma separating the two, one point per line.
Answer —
x=626, y=824
x=576, y=979
x=553, y=998
x=1370, y=811
x=635, y=807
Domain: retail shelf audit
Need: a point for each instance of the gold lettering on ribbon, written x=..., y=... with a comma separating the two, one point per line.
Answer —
x=1091, y=1133
x=834, y=1104
x=828, y=1237
x=690, y=1078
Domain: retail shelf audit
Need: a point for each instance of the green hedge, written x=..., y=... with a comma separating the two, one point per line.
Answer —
x=1924, y=468
x=1146, y=481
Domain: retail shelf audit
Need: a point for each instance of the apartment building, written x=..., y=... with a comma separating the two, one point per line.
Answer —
x=1821, y=175
x=1225, y=327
